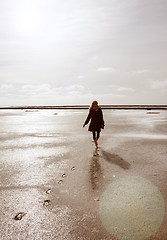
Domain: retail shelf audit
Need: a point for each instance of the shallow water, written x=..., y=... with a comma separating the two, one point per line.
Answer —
x=39, y=148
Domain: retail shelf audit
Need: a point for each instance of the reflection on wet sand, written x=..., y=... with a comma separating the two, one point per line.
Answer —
x=21, y=187
x=115, y=159
x=95, y=171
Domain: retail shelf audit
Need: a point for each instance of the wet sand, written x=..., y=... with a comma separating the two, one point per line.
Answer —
x=50, y=172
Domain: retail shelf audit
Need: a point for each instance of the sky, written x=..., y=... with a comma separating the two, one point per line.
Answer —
x=66, y=52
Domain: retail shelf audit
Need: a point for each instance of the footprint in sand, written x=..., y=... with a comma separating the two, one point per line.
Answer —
x=46, y=203
x=60, y=181
x=48, y=191
x=19, y=216
x=64, y=175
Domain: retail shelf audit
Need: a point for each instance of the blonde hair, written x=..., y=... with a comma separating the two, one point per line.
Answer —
x=91, y=106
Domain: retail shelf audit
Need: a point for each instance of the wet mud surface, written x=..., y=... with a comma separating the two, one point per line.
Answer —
x=52, y=177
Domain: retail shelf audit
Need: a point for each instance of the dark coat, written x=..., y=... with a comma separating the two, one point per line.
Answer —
x=96, y=122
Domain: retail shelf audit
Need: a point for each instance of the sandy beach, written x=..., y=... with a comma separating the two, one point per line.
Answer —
x=52, y=176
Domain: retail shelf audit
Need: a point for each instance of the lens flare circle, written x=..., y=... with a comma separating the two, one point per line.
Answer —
x=131, y=208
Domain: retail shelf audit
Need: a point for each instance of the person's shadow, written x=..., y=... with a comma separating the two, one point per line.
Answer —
x=115, y=159
x=95, y=171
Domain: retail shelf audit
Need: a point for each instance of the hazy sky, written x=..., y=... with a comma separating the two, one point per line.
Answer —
x=72, y=52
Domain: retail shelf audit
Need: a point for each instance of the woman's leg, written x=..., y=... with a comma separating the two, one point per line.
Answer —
x=94, y=138
x=98, y=135
x=94, y=135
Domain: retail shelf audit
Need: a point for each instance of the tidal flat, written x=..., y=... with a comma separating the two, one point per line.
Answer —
x=52, y=178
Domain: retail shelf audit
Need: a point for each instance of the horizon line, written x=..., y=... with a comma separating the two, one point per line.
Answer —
x=85, y=106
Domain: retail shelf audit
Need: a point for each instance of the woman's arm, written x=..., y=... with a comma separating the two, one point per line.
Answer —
x=87, y=119
x=102, y=120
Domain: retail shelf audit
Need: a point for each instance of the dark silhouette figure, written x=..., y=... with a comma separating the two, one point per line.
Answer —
x=96, y=123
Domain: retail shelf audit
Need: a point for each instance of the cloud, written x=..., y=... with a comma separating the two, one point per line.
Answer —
x=80, y=77
x=106, y=69
x=37, y=91
x=76, y=88
x=6, y=90
x=25, y=90
x=45, y=94
x=125, y=89
x=40, y=91
x=5, y=87
x=140, y=71
x=160, y=85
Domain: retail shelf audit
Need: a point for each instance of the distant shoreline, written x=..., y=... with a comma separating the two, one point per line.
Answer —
x=66, y=107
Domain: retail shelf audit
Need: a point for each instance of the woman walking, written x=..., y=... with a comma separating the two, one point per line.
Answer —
x=97, y=122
